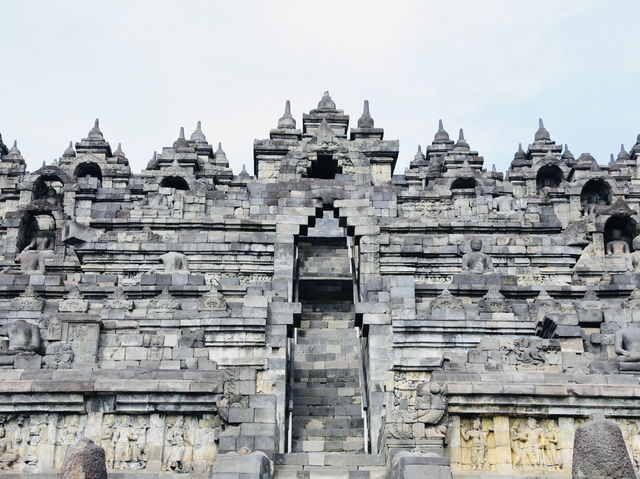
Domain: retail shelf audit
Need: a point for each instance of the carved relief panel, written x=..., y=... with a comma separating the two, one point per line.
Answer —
x=132, y=442
x=522, y=446
x=477, y=444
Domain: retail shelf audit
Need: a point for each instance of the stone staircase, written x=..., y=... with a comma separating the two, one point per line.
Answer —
x=327, y=414
x=324, y=258
x=330, y=465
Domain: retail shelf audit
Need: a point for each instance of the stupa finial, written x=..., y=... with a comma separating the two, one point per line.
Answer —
x=286, y=121
x=441, y=135
x=542, y=134
x=365, y=120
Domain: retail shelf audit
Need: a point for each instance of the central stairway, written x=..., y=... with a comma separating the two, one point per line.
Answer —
x=327, y=411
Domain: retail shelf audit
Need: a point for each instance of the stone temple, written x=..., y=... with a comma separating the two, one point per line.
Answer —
x=325, y=317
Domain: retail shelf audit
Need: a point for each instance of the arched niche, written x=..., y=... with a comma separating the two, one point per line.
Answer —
x=595, y=192
x=48, y=187
x=88, y=169
x=464, y=185
x=324, y=167
x=626, y=225
x=549, y=176
x=175, y=182
x=36, y=225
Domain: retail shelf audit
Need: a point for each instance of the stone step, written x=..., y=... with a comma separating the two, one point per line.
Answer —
x=314, y=389
x=327, y=323
x=327, y=307
x=334, y=348
x=354, y=444
x=346, y=347
x=327, y=414
x=327, y=389
x=331, y=336
x=330, y=422
x=330, y=401
x=354, y=410
x=326, y=313
x=300, y=461
x=324, y=472
x=341, y=384
x=337, y=374
x=335, y=433
x=318, y=365
x=327, y=335
x=307, y=359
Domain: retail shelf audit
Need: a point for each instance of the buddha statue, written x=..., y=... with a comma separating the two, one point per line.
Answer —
x=617, y=245
x=476, y=261
x=174, y=262
x=32, y=257
x=23, y=336
x=627, y=344
x=504, y=204
x=591, y=202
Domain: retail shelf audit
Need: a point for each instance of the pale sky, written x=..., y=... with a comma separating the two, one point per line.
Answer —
x=145, y=68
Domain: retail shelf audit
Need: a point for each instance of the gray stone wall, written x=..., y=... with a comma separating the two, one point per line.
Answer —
x=164, y=304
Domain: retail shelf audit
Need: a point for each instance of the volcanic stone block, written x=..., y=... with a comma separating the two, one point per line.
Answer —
x=407, y=466
x=599, y=451
x=85, y=460
x=254, y=465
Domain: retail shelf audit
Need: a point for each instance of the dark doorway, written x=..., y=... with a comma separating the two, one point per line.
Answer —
x=175, y=182
x=625, y=225
x=325, y=167
x=88, y=169
x=549, y=176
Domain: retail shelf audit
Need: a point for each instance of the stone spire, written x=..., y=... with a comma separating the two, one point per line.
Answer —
x=567, y=155
x=197, y=135
x=244, y=173
x=326, y=103
x=220, y=156
x=623, y=155
x=69, y=152
x=441, y=135
x=181, y=142
x=153, y=162
x=14, y=152
x=634, y=150
x=461, y=144
x=94, y=142
x=286, y=121
x=365, y=121
x=542, y=134
x=95, y=133
x=3, y=147
x=419, y=159
x=520, y=154
x=119, y=153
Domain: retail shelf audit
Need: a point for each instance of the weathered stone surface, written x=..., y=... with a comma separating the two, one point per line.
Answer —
x=415, y=466
x=84, y=460
x=327, y=303
x=245, y=464
x=599, y=451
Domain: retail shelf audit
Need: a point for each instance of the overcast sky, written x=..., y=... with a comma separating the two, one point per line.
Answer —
x=145, y=68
